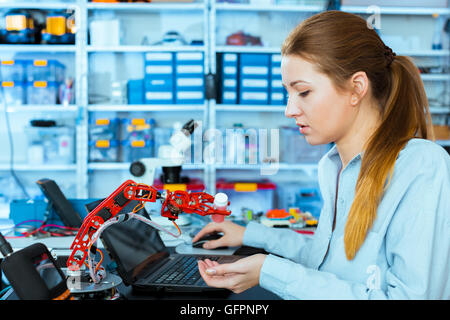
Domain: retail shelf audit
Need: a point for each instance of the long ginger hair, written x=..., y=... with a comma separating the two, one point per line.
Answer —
x=341, y=44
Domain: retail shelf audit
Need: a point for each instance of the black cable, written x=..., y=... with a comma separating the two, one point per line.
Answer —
x=11, y=146
x=5, y=246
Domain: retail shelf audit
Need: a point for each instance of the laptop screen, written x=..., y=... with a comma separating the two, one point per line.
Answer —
x=135, y=247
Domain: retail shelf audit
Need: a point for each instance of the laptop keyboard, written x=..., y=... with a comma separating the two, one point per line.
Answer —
x=183, y=271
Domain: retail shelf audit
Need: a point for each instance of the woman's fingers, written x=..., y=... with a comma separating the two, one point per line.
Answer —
x=209, y=228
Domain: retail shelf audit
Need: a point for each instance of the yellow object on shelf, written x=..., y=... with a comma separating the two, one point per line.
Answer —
x=102, y=144
x=245, y=187
x=175, y=186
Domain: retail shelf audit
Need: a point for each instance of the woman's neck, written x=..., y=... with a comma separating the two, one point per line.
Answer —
x=354, y=141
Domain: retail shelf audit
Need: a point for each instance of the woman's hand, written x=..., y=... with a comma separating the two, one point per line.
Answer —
x=237, y=276
x=233, y=234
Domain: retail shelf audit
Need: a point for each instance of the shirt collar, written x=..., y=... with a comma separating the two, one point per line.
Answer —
x=333, y=155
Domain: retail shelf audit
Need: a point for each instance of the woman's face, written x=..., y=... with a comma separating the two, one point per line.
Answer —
x=322, y=113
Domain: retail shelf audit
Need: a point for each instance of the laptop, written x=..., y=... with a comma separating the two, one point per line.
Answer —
x=145, y=263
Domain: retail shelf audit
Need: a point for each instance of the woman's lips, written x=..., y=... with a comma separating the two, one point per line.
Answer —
x=303, y=129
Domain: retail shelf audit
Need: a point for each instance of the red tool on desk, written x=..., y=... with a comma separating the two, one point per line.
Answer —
x=174, y=203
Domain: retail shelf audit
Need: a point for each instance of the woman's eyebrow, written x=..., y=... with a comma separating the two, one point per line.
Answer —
x=293, y=83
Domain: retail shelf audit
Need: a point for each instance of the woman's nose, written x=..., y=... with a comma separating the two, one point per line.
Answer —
x=292, y=110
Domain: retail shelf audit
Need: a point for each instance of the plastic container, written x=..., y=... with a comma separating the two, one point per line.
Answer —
x=137, y=129
x=162, y=137
x=13, y=70
x=257, y=196
x=104, y=139
x=305, y=196
x=295, y=149
x=14, y=92
x=45, y=70
x=103, y=150
x=133, y=150
x=104, y=128
x=50, y=145
x=220, y=203
x=42, y=92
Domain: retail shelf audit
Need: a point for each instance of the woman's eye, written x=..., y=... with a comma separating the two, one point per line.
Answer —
x=304, y=93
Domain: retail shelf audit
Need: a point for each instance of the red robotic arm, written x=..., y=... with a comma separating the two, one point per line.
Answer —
x=174, y=203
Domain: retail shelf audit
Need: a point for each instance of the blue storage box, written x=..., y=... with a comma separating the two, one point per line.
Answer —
x=45, y=70
x=42, y=92
x=162, y=97
x=33, y=211
x=189, y=58
x=189, y=78
x=190, y=97
x=159, y=58
x=229, y=78
x=137, y=129
x=277, y=91
x=104, y=129
x=135, y=149
x=103, y=150
x=13, y=70
x=159, y=78
x=14, y=92
x=135, y=91
x=254, y=76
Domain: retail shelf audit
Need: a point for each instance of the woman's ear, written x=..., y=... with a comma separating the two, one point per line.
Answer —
x=359, y=84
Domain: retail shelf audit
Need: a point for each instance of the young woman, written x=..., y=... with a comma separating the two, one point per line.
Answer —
x=384, y=229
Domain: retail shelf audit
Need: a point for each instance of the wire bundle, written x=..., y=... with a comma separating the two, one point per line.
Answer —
x=97, y=272
x=54, y=230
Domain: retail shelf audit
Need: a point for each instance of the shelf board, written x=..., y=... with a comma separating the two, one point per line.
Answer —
x=439, y=109
x=146, y=107
x=45, y=5
x=271, y=8
x=281, y=166
x=146, y=6
x=251, y=108
x=138, y=49
x=37, y=48
x=42, y=108
x=444, y=143
x=258, y=49
x=281, y=109
x=435, y=77
x=423, y=11
x=42, y=167
x=126, y=166
x=424, y=53
x=319, y=8
x=248, y=49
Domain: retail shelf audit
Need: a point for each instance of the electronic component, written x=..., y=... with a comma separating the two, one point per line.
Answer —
x=59, y=202
x=33, y=273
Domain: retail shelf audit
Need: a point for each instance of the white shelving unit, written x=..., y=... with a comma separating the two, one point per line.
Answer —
x=211, y=113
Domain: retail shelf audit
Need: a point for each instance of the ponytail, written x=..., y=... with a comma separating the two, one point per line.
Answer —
x=403, y=119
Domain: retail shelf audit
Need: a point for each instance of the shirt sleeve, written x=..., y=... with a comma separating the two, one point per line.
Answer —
x=282, y=242
x=417, y=250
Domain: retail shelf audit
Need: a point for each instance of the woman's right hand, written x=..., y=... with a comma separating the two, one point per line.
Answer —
x=233, y=234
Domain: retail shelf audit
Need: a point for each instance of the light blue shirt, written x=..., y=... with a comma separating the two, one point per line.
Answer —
x=406, y=254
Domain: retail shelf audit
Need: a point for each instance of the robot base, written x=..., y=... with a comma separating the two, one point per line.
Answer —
x=83, y=288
